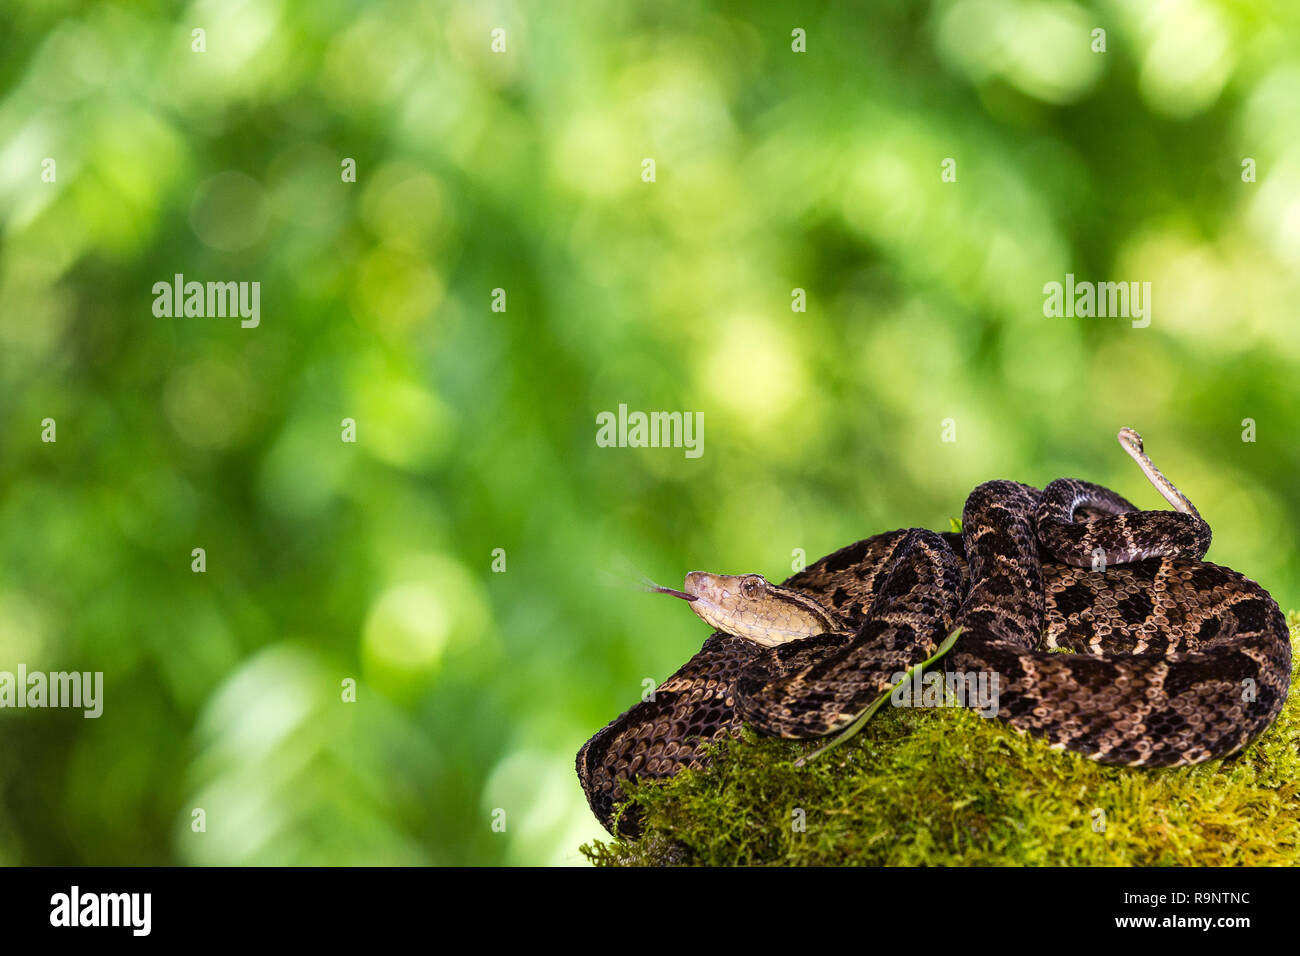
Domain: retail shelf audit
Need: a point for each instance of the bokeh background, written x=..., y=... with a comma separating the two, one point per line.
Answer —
x=522, y=170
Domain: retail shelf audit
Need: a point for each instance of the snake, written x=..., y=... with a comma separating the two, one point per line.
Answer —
x=1106, y=631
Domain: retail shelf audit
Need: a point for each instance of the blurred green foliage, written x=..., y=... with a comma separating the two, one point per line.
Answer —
x=522, y=170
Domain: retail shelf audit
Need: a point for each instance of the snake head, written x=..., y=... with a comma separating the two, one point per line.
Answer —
x=750, y=606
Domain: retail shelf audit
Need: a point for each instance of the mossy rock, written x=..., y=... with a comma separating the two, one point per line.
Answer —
x=947, y=787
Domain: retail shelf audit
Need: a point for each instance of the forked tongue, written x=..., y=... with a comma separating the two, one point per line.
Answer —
x=659, y=589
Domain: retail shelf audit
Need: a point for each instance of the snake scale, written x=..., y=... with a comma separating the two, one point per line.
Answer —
x=1175, y=660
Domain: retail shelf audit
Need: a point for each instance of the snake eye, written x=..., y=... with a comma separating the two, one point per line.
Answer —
x=750, y=586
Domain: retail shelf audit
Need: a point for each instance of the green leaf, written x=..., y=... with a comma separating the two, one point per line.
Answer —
x=860, y=721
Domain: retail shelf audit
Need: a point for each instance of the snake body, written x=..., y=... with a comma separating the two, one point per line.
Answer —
x=1175, y=660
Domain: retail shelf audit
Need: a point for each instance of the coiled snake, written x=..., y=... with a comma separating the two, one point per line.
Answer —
x=1175, y=660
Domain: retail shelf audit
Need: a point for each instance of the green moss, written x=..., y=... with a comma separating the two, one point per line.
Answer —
x=947, y=787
